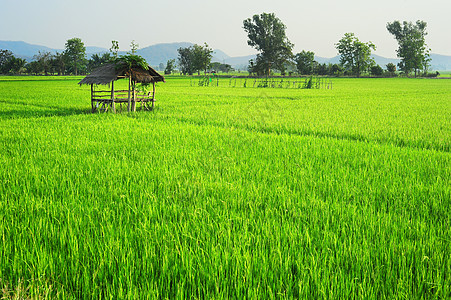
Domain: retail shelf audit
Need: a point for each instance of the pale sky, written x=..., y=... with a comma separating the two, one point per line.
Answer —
x=311, y=25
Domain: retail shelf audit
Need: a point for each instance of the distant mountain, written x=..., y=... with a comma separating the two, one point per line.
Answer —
x=27, y=51
x=95, y=50
x=219, y=56
x=24, y=50
x=440, y=62
x=239, y=62
x=161, y=53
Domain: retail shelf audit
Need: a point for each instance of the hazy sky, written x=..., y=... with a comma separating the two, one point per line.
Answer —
x=311, y=25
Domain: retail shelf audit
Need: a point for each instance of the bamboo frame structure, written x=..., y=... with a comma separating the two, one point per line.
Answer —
x=104, y=100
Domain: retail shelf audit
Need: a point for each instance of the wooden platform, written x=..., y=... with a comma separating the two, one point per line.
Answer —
x=102, y=100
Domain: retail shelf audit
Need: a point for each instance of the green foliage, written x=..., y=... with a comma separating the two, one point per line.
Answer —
x=114, y=49
x=133, y=47
x=355, y=56
x=131, y=61
x=412, y=49
x=170, y=67
x=220, y=67
x=185, y=60
x=5, y=57
x=266, y=33
x=194, y=59
x=75, y=53
x=391, y=69
x=9, y=64
x=376, y=70
x=97, y=60
x=305, y=62
x=44, y=60
x=237, y=193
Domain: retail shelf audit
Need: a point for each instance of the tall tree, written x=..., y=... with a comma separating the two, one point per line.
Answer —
x=202, y=57
x=194, y=59
x=114, y=49
x=44, y=60
x=305, y=61
x=76, y=54
x=9, y=64
x=5, y=57
x=170, y=67
x=133, y=47
x=59, y=62
x=16, y=65
x=412, y=50
x=266, y=33
x=355, y=56
x=33, y=67
x=185, y=60
x=391, y=69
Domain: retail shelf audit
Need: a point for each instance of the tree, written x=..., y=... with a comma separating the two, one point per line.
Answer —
x=412, y=50
x=114, y=49
x=258, y=66
x=76, y=55
x=5, y=57
x=59, y=62
x=266, y=33
x=9, y=64
x=376, y=70
x=391, y=69
x=355, y=56
x=170, y=67
x=98, y=60
x=321, y=69
x=305, y=61
x=219, y=67
x=134, y=47
x=44, y=60
x=194, y=59
x=16, y=65
x=185, y=59
x=335, y=69
x=202, y=57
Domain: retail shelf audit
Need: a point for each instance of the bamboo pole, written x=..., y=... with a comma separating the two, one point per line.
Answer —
x=112, y=97
x=134, y=96
x=92, y=96
x=153, y=95
x=129, y=96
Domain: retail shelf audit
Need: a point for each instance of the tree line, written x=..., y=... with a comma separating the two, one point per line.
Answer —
x=197, y=58
x=267, y=34
x=71, y=61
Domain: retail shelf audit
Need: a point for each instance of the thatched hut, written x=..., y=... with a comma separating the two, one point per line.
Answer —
x=107, y=74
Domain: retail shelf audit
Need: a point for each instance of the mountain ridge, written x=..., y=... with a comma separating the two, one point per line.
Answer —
x=162, y=52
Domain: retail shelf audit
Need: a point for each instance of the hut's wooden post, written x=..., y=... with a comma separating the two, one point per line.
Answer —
x=92, y=98
x=129, y=96
x=113, y=105
x=134, y=97
x=153, y=95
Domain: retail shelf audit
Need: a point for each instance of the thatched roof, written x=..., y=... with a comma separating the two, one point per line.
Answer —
x=107, y=73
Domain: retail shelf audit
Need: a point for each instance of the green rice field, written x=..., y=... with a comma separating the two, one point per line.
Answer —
x=227, y=192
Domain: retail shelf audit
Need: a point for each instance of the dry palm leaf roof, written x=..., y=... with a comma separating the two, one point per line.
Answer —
x=107, y=73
